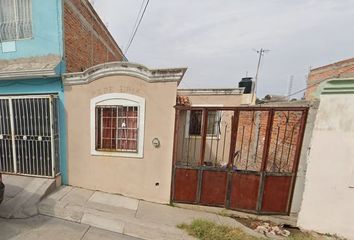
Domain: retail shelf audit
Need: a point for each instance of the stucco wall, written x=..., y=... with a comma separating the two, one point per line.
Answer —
x=47, y=32
x=327, y=205
x=135, y=177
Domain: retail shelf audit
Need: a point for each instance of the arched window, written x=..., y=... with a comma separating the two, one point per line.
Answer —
x=117, y=121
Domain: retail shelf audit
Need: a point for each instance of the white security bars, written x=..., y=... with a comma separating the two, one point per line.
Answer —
x=29, y=138
x=15, y=19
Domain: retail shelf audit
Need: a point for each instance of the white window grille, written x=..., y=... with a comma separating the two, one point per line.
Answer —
x=29, y=135
x=15, y=19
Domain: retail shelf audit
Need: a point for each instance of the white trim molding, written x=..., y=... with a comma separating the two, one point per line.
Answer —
x=118, y=99
x=124, y=68
x=211, y=91
x=28, y=68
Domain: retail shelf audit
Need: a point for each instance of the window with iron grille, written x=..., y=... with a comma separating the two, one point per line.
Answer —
x=15, y=19
x=117, y=128
x=117, y=125
x=195, y=123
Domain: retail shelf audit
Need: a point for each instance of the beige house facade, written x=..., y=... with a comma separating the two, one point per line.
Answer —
x=219, y=123
x=120, y=131
x=217, y=97
x=140, y=164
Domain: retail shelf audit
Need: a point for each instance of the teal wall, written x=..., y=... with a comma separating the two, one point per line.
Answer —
x=43, y=86
x=47, y=39
x=47, y=33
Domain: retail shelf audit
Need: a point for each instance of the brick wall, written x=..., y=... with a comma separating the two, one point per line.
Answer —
x=87, y=40
x=251, y=136
x=343, y=69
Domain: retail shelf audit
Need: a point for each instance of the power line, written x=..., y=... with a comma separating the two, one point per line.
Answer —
x=319, y=82
x=136, y=21
x=136, y=26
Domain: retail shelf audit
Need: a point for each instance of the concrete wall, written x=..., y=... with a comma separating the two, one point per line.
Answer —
x=46, y=32
x=135, y=177
x=219, y=100
x=327, y=205
x=87, y=40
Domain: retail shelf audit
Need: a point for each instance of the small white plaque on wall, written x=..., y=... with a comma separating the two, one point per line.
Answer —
x=7, y=47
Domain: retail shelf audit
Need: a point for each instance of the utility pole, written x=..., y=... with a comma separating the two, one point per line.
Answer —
x=261, y=53
x=290, y=86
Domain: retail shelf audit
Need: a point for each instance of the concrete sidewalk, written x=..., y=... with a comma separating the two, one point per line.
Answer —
x=125, y=215
x=48, y=228
x=22, y=194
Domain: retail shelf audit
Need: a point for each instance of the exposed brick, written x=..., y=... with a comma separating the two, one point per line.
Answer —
x=343, y=68
x=86, y=46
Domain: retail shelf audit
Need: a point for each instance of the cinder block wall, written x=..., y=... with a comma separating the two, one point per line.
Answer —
x=86, y=38
x=343, y=68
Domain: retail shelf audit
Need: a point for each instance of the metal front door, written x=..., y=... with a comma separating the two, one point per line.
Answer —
x=29, y=135
x=6, y=151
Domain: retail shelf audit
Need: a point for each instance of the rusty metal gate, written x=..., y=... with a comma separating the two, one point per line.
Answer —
x=243, y=158
x=29, y=137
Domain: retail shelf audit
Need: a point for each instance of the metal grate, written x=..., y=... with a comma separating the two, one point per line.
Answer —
x=29, y=135
x=15, y=19
x=117, y=128
x=6, y=157
x=249, y=165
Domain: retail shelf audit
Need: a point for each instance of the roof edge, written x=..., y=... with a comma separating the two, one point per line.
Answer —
x=124, y=68
x=28, y=74
x=349, y=61
x=212, y=91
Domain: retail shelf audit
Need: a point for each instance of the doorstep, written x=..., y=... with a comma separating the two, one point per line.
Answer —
x=126, y=215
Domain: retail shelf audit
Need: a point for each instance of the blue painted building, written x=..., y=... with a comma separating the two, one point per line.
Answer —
x=31, y=64
x=40, y=41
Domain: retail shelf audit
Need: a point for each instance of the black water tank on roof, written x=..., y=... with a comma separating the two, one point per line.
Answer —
x=247, y=83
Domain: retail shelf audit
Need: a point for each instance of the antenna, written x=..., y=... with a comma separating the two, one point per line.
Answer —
x=261, y=53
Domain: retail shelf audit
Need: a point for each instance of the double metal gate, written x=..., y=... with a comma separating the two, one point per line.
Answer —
x=29, y=137
x=243, y=158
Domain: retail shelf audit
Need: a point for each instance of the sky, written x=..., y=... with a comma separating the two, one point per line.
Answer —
x=217, y=39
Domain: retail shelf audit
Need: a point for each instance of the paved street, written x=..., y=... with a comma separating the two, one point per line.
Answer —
x=48, y=228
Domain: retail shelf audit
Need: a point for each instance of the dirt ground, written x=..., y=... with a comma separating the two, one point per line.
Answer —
x=295, y=233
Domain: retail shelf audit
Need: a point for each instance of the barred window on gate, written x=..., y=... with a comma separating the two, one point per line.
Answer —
x=117, y=128
x=15, y=19
x=195, y=123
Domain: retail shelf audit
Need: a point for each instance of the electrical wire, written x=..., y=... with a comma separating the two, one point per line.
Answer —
x=317, y=83
x=136, y=27
x=136, y=21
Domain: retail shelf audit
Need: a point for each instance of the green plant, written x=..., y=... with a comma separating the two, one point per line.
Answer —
x=206, y=230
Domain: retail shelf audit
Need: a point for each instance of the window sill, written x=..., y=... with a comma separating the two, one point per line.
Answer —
x=117, y=154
